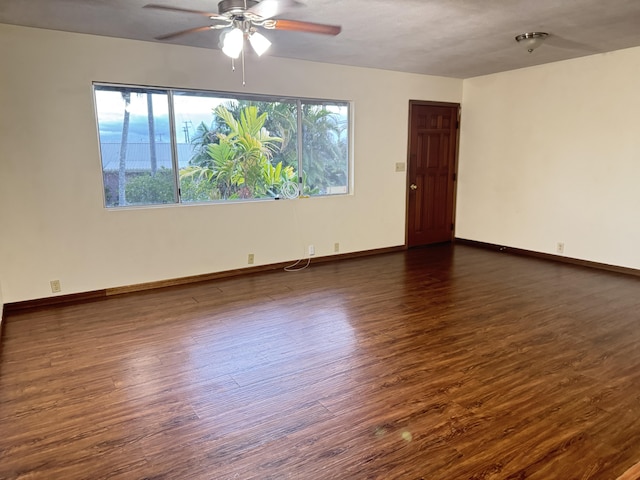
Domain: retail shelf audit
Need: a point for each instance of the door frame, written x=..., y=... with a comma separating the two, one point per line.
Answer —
x=429, y=103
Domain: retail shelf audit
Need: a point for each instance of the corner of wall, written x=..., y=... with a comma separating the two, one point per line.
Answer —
x=1, y=310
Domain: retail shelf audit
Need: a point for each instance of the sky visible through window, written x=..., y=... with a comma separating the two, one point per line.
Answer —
x=193, y=110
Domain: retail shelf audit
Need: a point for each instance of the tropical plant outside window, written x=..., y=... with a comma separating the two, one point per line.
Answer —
x=163, y=146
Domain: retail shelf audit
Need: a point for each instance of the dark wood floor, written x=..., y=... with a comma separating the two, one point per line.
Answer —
x=438, y=363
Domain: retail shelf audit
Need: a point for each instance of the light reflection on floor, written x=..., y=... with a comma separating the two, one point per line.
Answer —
x=253, y=355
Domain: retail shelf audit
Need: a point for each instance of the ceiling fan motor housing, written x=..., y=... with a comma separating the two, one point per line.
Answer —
x=235, y=7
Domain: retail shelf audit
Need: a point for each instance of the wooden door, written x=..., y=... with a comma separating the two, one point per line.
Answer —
x=433, y=140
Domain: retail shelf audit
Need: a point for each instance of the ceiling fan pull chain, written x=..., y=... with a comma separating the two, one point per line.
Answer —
x=243, y=80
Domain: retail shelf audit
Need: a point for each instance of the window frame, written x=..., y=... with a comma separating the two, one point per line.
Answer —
x=171, y=92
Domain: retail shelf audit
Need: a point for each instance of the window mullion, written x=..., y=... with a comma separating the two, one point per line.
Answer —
x=174, y=148
x=300, y=152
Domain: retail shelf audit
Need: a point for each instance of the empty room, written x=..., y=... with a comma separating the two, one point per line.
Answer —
x=287, y=239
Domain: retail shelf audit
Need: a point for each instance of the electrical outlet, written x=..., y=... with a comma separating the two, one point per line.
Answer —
x=312, y=250
x=250, y=259
x=400, y=167
x=560, y=247
x=55, y=286
x=336, y=247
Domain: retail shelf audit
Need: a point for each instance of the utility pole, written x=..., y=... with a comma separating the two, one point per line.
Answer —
x=185, y=129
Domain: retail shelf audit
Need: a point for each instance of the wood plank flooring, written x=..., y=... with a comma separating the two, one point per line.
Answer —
x=448, y=362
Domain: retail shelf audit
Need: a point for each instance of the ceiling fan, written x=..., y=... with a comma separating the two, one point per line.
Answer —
x=241, y=19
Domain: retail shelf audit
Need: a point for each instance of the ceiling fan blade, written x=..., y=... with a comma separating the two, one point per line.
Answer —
x=183, y=32
x=309, y=27
x=272, y=8
x=184, y=10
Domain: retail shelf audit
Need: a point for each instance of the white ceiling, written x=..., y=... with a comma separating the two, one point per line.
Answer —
x=453, y=38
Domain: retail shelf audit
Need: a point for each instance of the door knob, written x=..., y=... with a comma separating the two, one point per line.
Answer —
x=413, y=186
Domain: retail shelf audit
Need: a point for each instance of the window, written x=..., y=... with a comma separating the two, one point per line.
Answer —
x=162, y=146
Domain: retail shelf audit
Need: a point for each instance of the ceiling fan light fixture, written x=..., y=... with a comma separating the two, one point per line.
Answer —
x=259, y=42
x=531, y=40
x=233, y=42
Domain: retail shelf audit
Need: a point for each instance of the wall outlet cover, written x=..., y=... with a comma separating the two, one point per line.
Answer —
x=55, y=286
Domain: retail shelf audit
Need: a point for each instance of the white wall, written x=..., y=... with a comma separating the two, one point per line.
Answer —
x=552, y=154
x=51, y=207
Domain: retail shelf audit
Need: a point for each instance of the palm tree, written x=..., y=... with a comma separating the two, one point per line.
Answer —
x=122, y=164
x=152, y=135
x=324, y=141
x=324, y=145
x=281, y=121
x=238, y=161
x=203, y=137
x=239, y=165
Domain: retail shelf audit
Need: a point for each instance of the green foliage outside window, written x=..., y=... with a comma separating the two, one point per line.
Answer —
x=239, y=162
x=145, y=188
